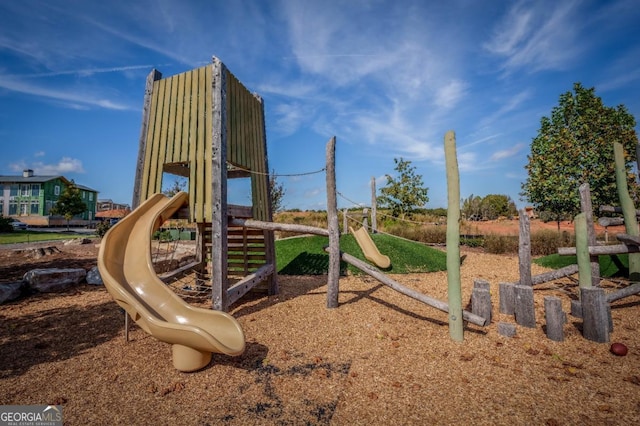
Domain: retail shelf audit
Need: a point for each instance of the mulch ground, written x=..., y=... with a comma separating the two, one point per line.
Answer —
x=380, y=358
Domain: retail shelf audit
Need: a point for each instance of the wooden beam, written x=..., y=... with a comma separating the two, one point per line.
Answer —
x=625, y=292
x=386, y=280
x=333, y=227
x=273, y=226
x=601, y=250
x=241, y=288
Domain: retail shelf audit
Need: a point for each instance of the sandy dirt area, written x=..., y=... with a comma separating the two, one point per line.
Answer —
x=379, y=358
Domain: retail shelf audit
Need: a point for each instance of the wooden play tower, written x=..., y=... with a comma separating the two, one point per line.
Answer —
x=206, y=126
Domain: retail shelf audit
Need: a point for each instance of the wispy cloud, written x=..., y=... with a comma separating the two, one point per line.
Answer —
x=73, y=98
x=64, y=166
x=83, y=72
x=507, y=153
x=536, y=36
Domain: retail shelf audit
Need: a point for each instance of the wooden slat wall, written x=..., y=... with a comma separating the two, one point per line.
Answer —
x=180, y=123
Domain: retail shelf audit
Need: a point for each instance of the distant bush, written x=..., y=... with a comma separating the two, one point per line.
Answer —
x=500, y=244
x=546, y=242
x=5, y=224
x=102, y=228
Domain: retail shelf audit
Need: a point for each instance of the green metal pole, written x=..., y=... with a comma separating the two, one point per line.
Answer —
x=582, y=251
x=628, y=209
x=456, y=331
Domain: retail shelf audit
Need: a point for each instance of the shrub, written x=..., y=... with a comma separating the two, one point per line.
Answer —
x=102, y=228
x=546, y=242
x=500, y=244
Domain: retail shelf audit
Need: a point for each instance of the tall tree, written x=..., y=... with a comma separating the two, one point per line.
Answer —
x=404, y=193
x=276, y=191
x=69, y=203
x=575, y=145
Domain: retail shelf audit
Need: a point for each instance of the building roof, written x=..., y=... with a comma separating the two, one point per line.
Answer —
x=41, y=179
x=117, y=213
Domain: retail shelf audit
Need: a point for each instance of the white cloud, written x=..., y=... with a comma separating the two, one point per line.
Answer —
x=65, y=166
x=450, y=94
x=73, y=97
x=507, y=153
x=537, y=36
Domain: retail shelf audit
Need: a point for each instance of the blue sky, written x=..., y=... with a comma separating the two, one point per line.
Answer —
x=387, y=78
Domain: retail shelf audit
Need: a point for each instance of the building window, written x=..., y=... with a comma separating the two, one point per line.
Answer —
x=84, y=195
x=48, y=206
x=35, y=207
x=25, y=190
x=24, y=208
x=91, y=196
x=13, y=191
x=56, y=190
x=13, y=208
x=35, y=190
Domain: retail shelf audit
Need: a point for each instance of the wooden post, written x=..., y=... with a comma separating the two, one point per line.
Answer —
x=595, y=318
x=142, y=145
x=525, y=307
x=582, y=251
x=334, y=231
x=628, y=209
x=374, y=207
x=219, y=254
x=587, y=209
x=481, y=299
x=507, y=298
x=345, y=223
x=454, y=291
x=554, y=318
x=524, y=248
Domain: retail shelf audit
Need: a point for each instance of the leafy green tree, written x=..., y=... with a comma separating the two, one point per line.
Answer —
x=276, y=192
x=575, y=145
x=69, y=203
x=405, y=193
x=495, y=205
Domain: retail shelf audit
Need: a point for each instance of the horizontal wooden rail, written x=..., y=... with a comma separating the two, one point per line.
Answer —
x=273, y=226
x=384, y=279
x=601, y=250
x=241, y=288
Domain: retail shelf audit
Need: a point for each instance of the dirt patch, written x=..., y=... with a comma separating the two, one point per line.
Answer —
x=380, y=358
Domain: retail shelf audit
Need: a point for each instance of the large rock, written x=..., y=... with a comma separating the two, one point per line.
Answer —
x=94, y=277
x=11, y=291
x=77, y=242
x=51, y=280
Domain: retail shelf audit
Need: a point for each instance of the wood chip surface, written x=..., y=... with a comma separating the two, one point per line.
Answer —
x=380, y=358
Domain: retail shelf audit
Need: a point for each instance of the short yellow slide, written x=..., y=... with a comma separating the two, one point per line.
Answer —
x=369, y=248
x=126, y=268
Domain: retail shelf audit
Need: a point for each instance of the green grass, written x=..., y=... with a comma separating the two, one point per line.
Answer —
x=610, y=265
x=31, y=236
x=306, y=255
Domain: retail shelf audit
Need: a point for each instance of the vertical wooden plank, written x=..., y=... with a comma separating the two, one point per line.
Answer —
x=186, y=117
x=173, y=111
x=202, y=138
x=269, y=236
x=157, y=137
x=193, y=149
x=177, y=136
x=219, y=223
x=333, y=285
x=162, y=143
x=374, y=206
x=524, y=248
x=148, y=120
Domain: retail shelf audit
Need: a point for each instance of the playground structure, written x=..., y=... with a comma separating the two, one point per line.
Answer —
x=204, y=125
x=369, y=248
x=592, y=304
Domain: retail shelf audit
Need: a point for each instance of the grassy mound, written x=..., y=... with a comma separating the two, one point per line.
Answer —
x=306, y=255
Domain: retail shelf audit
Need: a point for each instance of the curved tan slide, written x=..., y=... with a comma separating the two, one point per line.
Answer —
x=125, y=265
x=369, y=248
